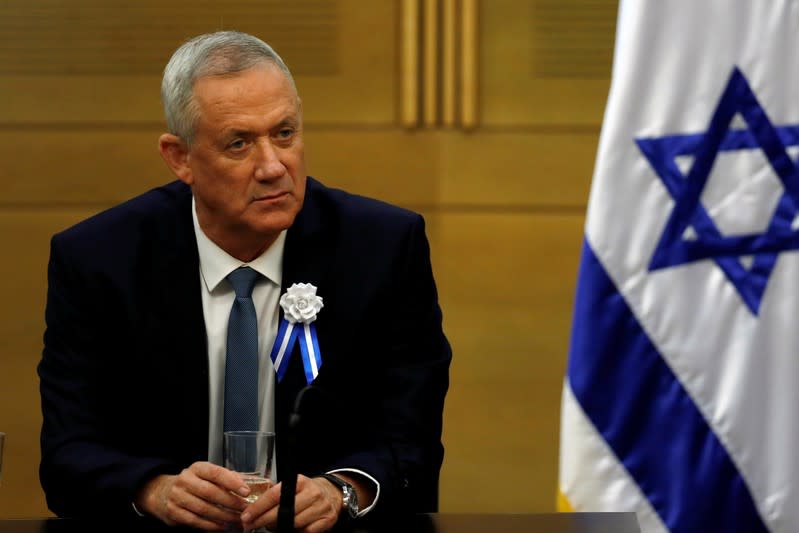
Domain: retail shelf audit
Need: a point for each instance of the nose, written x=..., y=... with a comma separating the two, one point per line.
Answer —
x=268, y=165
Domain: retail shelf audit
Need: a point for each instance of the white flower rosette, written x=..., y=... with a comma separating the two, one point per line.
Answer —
x=300, y=303
x=300, y=306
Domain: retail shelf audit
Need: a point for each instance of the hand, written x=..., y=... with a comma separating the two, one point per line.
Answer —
x=317, y=504
x=200, y=497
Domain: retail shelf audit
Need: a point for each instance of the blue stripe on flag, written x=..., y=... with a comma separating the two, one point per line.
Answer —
x=647, y=418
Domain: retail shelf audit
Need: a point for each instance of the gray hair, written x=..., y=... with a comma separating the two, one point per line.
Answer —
x=212, y=54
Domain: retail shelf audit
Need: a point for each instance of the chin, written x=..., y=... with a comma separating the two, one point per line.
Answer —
x=275, y=224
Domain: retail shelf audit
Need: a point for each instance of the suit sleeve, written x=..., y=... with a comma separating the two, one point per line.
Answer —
x=411, y=383
x=86, y=469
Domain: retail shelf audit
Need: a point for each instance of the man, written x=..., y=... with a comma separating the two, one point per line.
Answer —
x=133, y=368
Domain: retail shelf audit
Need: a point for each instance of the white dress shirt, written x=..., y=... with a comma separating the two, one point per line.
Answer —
x=217, y=298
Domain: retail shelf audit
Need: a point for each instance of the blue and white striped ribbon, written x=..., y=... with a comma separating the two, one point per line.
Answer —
x=287, y=335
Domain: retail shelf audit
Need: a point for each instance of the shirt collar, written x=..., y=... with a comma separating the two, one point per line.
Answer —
x=216, y=264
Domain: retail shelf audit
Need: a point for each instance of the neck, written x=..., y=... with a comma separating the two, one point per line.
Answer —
x=246, y=252
x=245, y=246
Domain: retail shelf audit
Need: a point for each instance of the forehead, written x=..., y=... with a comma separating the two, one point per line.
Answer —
x=257, y=90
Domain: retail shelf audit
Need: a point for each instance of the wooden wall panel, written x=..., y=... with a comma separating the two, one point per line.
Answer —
x=545, y=62
x=77, y=166
x=26, y=232
x=86, y=100
x=110, y=84
x=389, y=164
x=135, y=37
x=511, y=170
x=506, y=285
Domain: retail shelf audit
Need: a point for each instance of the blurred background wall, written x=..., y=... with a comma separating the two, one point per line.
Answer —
x=482, y=115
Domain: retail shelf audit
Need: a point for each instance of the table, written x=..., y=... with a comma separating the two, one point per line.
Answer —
x=431, y=523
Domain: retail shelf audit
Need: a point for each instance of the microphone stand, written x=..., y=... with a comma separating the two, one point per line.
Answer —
x=288, y=489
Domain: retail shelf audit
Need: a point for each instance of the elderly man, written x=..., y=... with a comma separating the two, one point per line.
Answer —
x=137, y=362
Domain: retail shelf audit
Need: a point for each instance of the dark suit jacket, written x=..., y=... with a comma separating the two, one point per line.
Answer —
x=124, y=372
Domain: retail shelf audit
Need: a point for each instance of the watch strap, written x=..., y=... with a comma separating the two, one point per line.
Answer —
x=349, y=495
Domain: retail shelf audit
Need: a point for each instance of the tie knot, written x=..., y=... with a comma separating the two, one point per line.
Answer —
x=243, y=280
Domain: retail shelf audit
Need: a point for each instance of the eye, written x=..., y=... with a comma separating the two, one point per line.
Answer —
x=285, y=133
x=237, y=144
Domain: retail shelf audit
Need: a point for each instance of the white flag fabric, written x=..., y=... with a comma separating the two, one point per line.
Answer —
x=681, y=400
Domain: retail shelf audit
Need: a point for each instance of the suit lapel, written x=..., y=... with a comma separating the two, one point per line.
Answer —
x=307, y=252
x=183, y=314
x=307, y=257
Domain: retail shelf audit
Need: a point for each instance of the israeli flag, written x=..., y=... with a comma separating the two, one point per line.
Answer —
x=681, y=400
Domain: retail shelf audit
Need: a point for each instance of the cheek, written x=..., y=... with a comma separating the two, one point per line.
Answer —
x=233, y=180
x=295, y=161
x=299, y=190
x=229, y=192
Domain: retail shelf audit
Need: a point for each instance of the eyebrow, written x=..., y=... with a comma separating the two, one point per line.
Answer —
x=292, y=121
x=229, y=135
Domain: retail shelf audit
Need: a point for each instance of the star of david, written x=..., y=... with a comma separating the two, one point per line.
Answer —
x=726, y=251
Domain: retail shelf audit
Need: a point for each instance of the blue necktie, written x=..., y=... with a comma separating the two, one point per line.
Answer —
x=241, y=362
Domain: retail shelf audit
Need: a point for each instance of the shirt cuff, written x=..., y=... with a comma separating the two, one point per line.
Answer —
x=136, y=510
x=366, y=476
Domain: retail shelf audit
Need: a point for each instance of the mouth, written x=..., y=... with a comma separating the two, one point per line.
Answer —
x=271, y=197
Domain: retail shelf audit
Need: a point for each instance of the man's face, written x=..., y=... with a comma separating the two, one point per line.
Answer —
x=246, y=165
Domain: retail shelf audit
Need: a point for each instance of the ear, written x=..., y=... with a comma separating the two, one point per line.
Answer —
x=176, y=154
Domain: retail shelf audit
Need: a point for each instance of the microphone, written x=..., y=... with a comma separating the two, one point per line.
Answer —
x=288, y=489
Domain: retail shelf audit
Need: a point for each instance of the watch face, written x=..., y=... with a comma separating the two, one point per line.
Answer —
x=349, y=496
x=351, y=500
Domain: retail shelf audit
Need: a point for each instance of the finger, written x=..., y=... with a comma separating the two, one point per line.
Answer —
x=263, y=512
x=202, y=479
x=184, y=517
x=314, y=504
x=201, y=499
x=207, y=510
x=317, y=517
x=268, y=500
x=220, y=476
x=319, y=526
x=219, y=496
x=266, y=520
x=183, y=508
x=319, y=513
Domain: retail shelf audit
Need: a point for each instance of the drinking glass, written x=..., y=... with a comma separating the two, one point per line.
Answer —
x=250, y=454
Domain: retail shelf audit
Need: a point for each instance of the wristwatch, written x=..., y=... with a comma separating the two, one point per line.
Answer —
x=349, y=496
